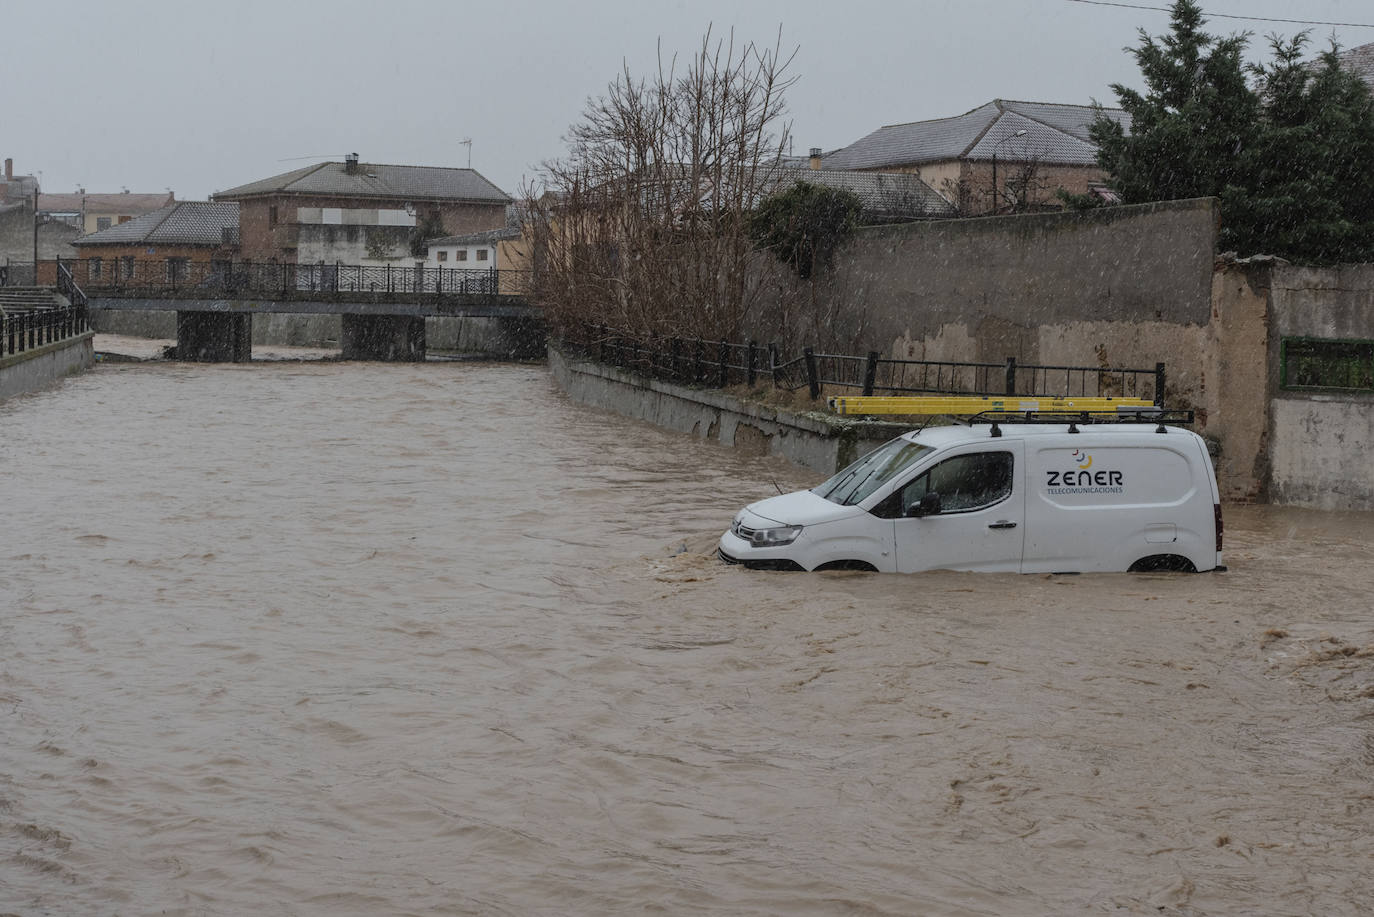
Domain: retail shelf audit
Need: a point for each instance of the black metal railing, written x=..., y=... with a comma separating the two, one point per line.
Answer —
x=30, y=329
x=68, y=287
x=722, y=363
x=127, y=275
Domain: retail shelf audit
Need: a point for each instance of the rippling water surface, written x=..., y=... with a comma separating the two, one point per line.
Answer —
x=389, y=639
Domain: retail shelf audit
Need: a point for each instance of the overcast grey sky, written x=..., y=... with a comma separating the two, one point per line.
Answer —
x=156, y=94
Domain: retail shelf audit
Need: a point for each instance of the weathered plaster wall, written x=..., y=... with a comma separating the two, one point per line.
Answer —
x=16, y=237
x=1233, y=405
x=1322, y=442
x=1004, y=278
x=1321, y=452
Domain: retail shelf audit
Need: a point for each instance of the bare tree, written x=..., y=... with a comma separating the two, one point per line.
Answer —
x=643, y=225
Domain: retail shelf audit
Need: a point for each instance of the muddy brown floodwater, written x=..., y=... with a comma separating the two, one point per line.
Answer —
x=384, y=639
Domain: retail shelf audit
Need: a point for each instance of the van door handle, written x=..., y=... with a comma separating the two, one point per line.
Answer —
x=1002, y=524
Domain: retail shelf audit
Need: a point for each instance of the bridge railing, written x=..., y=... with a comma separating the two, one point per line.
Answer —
x=181, y=276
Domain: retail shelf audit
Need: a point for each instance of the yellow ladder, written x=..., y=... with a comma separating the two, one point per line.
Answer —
x=977, y=404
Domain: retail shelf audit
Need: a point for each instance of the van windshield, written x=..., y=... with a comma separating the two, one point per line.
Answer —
x=862, y=478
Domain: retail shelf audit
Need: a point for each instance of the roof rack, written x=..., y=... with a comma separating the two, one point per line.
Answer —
x=978, y=404
x=1151, y=414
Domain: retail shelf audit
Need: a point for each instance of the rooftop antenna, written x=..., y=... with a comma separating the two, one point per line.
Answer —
x=467, y=142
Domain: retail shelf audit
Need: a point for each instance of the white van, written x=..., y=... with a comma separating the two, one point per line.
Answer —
x=1004, y=497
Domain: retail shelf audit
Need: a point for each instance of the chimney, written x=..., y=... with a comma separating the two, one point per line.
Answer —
x=9, y=170
x=351, y=163
x=815, y=162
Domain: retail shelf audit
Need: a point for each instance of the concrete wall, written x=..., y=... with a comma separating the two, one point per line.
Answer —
x=1320, y=443
x=819, y=442
x=1233, y=374
x=16, y=236
x=42, y=366
x=1005, y=278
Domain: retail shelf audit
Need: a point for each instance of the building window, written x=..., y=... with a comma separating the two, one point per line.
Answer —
x=443, y=255
x=178, y=269
x=1311, y=363
x=102, y=223
x=127, y=262
x=93, y=268
x=481, y=254
x=460, y=255
x=272, y=215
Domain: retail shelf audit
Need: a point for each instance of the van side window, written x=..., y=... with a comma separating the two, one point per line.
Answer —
x=964, y=483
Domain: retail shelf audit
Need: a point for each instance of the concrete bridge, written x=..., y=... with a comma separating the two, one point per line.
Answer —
x=382, y=311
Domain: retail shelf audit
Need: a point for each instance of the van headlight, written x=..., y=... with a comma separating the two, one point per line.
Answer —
x=766, y=538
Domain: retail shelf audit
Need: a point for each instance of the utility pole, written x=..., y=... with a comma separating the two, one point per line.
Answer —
x=35, y=234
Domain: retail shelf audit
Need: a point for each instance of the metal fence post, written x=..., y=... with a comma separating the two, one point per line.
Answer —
x=773, y=363
x=1011, y=376
x=752, y=372
x=812, y=379
x=871, y=372
x=724, y=355
x=1159, y=385
x=696, y=362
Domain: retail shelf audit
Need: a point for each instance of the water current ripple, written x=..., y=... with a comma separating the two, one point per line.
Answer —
x=394, y=639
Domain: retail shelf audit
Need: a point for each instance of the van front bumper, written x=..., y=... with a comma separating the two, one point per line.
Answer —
x=735, y=550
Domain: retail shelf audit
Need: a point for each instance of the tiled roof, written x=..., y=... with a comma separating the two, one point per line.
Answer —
x=103, y=203
x=884, y=195
x=478, y=238
x=1055, y=134
x=1360, y=60
x=368, y=180
x=186, y=223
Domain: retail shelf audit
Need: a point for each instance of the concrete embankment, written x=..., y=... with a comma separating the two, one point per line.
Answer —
x=41, y=366
x=816, y=441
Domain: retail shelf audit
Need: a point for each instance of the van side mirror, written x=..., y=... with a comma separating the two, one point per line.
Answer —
x=928, y=506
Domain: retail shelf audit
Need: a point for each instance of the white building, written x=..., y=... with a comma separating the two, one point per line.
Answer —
x=476, y=251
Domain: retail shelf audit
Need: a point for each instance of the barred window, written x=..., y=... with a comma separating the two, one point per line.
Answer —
x=1312, y=363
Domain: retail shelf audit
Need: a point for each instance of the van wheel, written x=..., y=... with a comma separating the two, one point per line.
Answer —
x=861, y=565
x=1163, y=563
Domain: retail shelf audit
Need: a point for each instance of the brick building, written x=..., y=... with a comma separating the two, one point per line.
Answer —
x=358, y=213
x=162, y=245
x=1026, y=151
